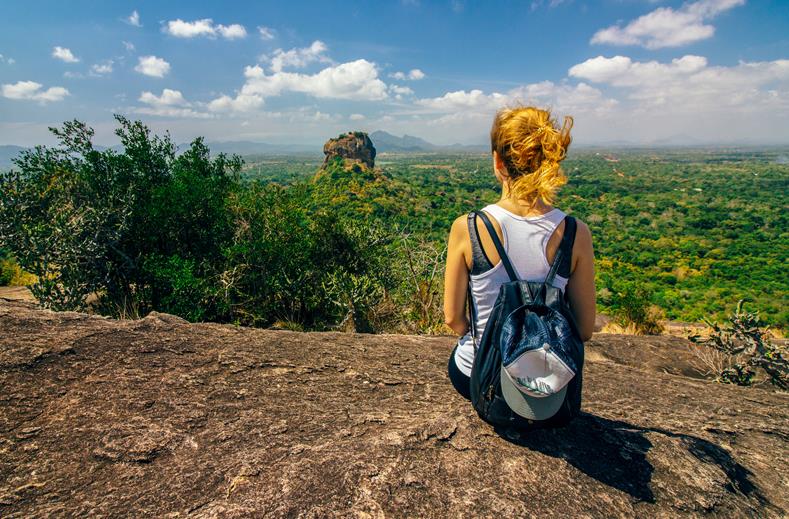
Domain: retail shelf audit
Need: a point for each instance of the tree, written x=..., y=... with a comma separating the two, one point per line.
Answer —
x=746, y=346
x=88, y=221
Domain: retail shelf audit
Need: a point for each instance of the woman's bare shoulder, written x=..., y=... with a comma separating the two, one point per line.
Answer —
x=582, y=248
x=582, y=232
x=460, y=226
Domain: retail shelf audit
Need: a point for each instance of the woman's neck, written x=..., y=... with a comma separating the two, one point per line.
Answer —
x=522, y=207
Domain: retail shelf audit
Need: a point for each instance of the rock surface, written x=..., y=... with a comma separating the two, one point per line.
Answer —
x=162, y=418
x=353, y=147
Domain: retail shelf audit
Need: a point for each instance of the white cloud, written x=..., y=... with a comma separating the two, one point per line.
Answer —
x=167, y=98
x=134, y=19
x=580, y=98
x=461, y=99
x=64, y=54
x=169, y=111
x=691, y=84
x=242, y=103
x=152, y=66
x=129, y=46
x=101, y=69
x=171, y=103
x=232, y=31
x=266, y=33
x=30, y=90
x=622, y=71
x=298, y=58
x=666, y=27
x=356, y=80
x=466, y=115
x=400, y=90
x=413, y=75
x=182, y=29
x=205, y=27
x=356, y=117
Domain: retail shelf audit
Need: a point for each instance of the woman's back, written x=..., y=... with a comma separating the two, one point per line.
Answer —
x=526, y=241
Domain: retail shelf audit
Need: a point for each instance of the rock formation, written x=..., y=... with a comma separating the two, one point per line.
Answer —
x=353, y=147
x=162, y=418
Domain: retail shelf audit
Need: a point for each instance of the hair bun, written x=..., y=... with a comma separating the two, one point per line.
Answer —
x=531, y=147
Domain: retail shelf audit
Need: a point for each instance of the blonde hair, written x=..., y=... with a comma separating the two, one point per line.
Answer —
x=531, y=146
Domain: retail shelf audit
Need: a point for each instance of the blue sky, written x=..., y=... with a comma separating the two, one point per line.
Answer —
x=299, y=72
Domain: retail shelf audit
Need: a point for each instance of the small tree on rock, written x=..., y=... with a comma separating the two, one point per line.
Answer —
x=746, y=345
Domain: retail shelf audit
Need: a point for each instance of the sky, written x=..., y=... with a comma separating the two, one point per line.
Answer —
x=635, y=71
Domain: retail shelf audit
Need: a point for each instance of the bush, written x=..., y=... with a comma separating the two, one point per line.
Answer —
x=745, y=346
x=6, y=272
x=87, y=221
x=631, y=307
x=293, y=260
x=11, y=274
x=180, y=289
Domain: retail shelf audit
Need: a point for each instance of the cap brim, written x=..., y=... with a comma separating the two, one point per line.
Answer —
x=533, y=408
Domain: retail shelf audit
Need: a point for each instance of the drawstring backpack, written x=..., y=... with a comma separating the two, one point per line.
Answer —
x=528, y=365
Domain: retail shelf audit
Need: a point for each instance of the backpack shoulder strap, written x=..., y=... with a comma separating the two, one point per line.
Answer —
x=568, y=240
x=499, y=247
x=564, y=254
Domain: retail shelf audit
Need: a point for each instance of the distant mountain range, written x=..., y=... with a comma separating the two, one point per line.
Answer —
x=8, y=151
x=255, y=148
x=385, y=142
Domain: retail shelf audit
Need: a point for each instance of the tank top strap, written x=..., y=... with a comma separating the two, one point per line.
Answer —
x=479, y=259
x=496, y=211
x=555, y=216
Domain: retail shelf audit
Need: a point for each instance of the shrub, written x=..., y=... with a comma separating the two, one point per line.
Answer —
x=294, y=260
x=419, y=269
x=6, y=271
x=11, y=274
x=631, y=307
x=745, y=347
x=87, y=221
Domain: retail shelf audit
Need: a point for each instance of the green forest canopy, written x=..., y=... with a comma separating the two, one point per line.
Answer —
x=693, y=230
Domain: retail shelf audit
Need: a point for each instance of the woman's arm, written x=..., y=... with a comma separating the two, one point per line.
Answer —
x=456, y=278
x=581, y=287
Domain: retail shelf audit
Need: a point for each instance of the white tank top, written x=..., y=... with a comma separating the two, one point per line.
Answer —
x=524, y=239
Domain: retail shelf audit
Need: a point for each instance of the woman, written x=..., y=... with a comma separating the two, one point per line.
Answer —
x=527, y=148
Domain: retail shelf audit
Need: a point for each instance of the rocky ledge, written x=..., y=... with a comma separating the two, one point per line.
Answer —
x=162, y=418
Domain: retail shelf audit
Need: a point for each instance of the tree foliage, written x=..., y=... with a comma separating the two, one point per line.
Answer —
x=152, y=229
x=88, y=221
x=676, y=234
